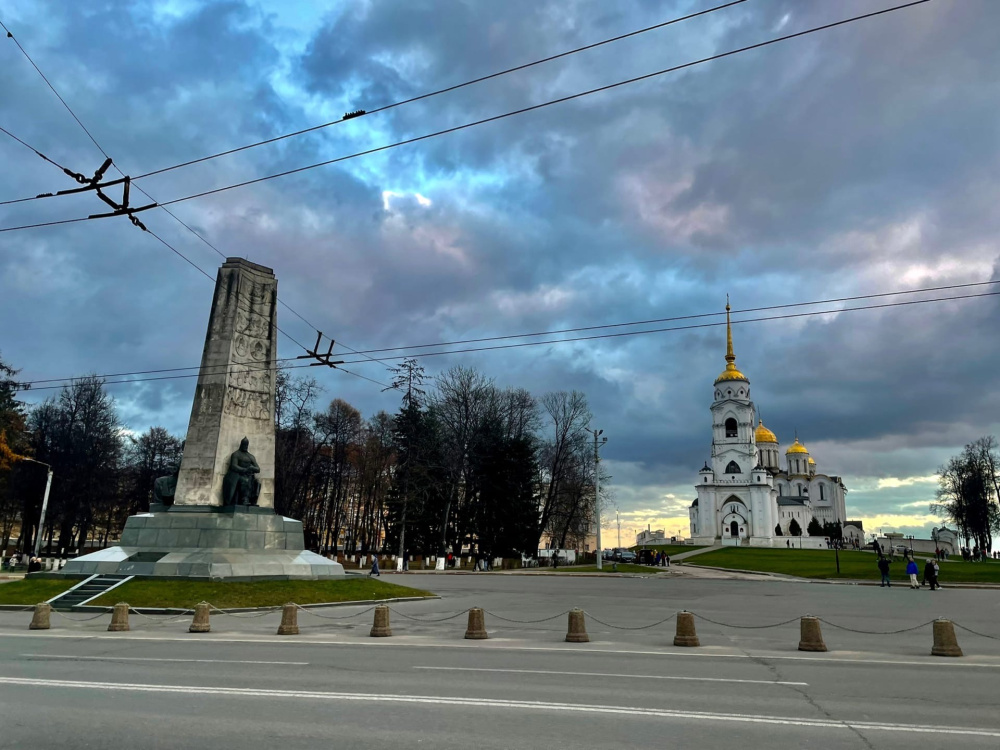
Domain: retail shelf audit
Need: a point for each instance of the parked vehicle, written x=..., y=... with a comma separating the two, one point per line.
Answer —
x=647, y=557
x=624, y=555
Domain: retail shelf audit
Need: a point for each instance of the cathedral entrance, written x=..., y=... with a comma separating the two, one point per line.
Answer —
x=735, y=522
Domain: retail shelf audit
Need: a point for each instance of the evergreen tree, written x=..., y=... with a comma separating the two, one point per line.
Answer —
x=794, y=529
x=815, y=528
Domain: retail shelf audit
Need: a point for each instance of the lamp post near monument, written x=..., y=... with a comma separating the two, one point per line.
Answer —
x=216, y=518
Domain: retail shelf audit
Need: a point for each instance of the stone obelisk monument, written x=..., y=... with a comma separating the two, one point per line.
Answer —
x=218, y=521
x=235, y=394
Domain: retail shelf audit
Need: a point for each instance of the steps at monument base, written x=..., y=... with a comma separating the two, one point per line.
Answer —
x=89, y=589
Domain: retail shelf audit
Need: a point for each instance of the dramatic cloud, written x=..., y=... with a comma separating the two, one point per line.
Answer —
x=859, y=160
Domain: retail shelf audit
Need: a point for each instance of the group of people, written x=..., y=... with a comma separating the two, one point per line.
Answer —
x=843, y=544
x=978, y=555
x=931, y=572
x=34, y=563
x=661, y=560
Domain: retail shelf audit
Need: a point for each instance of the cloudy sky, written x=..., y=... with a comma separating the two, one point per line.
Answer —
x=858, y=160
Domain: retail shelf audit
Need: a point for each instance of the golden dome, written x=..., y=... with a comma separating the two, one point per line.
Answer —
x=730, y=373
x=764, y=435
x=812, y=461
x=796, y=447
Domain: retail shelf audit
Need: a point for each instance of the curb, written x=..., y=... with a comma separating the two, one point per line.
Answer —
x=840, y=581
x=177, y=611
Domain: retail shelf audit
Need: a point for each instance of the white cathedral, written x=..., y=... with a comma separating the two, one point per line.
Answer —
x=744, y=496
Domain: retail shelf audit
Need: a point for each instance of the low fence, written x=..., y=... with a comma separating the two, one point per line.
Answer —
x=945, y=642
x=420, y=562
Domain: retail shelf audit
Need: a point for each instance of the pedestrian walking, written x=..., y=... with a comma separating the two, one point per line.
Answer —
x=374, y=571
x=931, y=571
x=666, y=561
x=911, y=570
x=883, y=566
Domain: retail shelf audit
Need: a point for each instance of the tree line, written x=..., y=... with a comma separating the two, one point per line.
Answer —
x=462, y=464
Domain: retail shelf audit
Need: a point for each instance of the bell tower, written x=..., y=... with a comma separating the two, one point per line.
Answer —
x=734, y=452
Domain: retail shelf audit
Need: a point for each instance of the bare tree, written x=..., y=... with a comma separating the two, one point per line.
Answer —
x=568, y=416
x=969, y=492
x=461, y=400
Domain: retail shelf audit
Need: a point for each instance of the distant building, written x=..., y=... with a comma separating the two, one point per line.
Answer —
x=854, y=531
x=943, y=539
x=744, y=495
x=650, y=537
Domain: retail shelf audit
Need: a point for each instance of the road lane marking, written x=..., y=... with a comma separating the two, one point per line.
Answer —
x=147, y=658
x=605, y=674
x=659, y=713
x=480, y=646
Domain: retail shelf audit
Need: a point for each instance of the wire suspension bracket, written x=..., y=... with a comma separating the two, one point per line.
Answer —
x=95, y=183
x=321, y=358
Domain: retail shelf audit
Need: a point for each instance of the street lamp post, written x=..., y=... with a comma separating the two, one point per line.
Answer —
x=597, y=493
x=45, y=504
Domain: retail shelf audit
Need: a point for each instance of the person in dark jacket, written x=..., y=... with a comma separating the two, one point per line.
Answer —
x=930, y=574
x=883, y=566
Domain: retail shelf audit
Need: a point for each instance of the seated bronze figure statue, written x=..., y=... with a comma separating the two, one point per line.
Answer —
x=240, y=486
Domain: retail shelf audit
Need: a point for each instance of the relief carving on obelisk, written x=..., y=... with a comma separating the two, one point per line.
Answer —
x=249, y=392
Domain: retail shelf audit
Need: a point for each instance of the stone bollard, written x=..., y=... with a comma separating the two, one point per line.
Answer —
x=380, y=628
x=119, y=618
x=201, y=622
x=945, y=642
x=686, y=635
x=577, y=630
x=289, y=620
x=40, y=620
x=811, y=637
x=477, y=625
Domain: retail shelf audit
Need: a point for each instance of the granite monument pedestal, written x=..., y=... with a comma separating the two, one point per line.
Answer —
x=209, y=542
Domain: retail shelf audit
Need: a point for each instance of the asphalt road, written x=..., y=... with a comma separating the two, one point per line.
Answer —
x=243, y=687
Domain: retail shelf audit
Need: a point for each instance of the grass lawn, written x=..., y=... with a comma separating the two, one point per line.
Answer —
x=816, y=563
x=185, y=594
x=622, y=568
x=670, y=549
x=34, y=590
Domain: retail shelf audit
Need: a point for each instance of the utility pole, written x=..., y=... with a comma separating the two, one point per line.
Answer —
x=619, y=519
x=597, y=494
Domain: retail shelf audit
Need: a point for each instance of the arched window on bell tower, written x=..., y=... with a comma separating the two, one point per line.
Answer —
x=732, y=429
x=733, y=468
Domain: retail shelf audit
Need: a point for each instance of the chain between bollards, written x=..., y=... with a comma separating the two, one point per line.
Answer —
x=811, y=637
